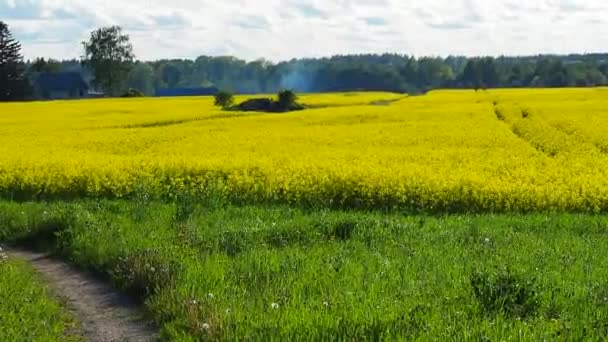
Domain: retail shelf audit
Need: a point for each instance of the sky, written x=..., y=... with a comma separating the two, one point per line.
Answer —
x=283, y=29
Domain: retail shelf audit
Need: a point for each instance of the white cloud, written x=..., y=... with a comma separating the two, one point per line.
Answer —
x=283, y=29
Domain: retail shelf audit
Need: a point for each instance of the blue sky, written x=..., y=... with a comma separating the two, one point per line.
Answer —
x=284, y=29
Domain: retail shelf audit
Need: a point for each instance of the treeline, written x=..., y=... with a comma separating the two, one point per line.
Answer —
x=109, y=65
x=387, y=72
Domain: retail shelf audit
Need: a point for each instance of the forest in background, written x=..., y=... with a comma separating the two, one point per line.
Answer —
x=386, y=72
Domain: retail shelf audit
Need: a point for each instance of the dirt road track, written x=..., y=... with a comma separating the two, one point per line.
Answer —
x=104, y=314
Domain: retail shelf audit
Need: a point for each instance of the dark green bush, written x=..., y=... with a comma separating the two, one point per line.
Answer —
x=340, y=230
x=503, y=292
x=224, y=99
x=287, y=99
x=133, y=93
x=286, y=102
x=145, y=272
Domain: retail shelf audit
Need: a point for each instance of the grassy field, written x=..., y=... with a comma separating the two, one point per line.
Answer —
x=279, y=273
x=28, y=312
x=457, y=215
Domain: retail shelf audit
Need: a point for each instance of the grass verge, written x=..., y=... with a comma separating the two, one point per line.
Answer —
x=28, y=312
x=279, y=273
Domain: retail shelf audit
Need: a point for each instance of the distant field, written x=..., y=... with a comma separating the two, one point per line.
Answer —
x=456, y=151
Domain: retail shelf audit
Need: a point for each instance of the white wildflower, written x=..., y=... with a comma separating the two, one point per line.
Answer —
x=210, y=296
x=274, y=306
x=487, y=240
x=205, y=326
x=193, y=302
x=3, y=256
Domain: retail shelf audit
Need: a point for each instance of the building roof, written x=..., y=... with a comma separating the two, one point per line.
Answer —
x=186, y=91
x=61, y=81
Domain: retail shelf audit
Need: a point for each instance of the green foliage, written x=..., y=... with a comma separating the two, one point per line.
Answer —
x=224, y=99
x=286, y=102
x=141, y=77
x=133, y=93
x=109, y=54
x=342, y=230
x=185, y=205
x=279, y=273
x=14, y=84
x=145, y=272
x=43, y=65
x=29, y=312
x=171, y=75
x=502, y=292
x=386, y=72
x=287, y=99
x=40, y=228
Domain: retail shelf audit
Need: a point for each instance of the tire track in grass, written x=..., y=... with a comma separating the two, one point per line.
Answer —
x=526, y=125
x=104, y=314
x=603, y=148
x=511, y=117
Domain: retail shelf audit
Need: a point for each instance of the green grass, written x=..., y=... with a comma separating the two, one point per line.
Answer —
x=28, y=312
x=279, y=273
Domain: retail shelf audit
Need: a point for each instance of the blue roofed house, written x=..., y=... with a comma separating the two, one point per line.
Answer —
x=60, y=85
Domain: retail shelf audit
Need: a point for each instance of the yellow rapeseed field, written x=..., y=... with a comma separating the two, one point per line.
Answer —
x=456, y=151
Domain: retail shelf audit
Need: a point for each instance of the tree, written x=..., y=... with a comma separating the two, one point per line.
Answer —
x=171, y=75
x=42, y=65
x=14, y=84
x=489, y=74
x=472, y=75
x=224, y=99
x=287, y=99
x=141, y=77
x=109, y=55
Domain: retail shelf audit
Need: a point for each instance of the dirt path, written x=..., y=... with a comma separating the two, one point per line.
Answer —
x=104, y=314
